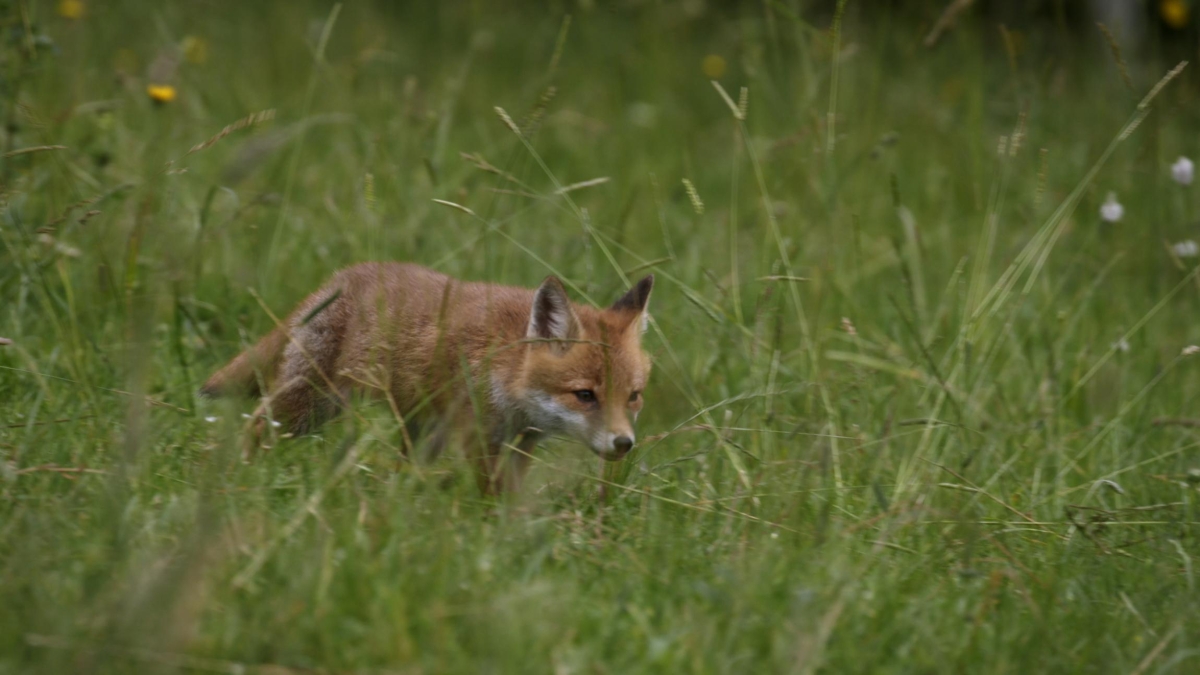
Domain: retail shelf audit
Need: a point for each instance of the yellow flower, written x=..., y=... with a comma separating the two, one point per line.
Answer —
x=713, y=66
x=1175, y=13
x=70, y=9
x=195, y=49
x=161, y=93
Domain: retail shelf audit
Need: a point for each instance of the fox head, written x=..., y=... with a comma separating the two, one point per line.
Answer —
x=585, y=370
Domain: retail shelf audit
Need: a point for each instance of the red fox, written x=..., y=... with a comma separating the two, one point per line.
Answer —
x=476, y=364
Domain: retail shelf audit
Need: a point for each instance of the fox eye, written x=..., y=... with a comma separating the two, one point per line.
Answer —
x=635, y=396
x=585, y=396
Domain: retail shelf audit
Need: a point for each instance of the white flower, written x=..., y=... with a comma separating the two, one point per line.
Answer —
x=1182, y=171
x=1112, y=211
x=1186, y=249
x=1191, y=350
x=1121, y=345
x=210, y=419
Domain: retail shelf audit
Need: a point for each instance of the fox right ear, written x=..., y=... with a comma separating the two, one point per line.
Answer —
x=551, y=316
x=637, y=298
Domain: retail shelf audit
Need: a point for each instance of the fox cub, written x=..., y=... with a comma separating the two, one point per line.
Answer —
x=473, y=364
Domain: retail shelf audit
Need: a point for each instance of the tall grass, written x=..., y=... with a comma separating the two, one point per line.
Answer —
x=915, y=408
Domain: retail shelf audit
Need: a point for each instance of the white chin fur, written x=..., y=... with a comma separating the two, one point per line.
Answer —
x=608, y=454
x=550, y=415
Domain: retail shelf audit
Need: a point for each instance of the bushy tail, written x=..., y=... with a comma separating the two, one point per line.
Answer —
x=239, y=377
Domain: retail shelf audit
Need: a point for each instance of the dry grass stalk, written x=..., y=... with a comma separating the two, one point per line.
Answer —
x=39, y=148
x=1116, y=52
x=246, y=122
x=946, y=20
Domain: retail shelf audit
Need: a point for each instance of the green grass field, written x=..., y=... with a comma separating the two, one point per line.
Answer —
x=915, y=407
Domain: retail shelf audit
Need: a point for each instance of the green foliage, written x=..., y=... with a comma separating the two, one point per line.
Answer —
x=915, y=408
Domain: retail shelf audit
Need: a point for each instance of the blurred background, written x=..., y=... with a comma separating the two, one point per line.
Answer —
x=922, y=397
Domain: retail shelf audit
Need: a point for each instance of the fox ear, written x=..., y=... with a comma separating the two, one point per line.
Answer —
x=551, y=316
x=637, y=297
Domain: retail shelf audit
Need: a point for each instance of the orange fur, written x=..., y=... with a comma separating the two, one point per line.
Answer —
x=474, y=364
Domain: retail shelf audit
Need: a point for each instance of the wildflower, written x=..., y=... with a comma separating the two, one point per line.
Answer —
x=713, y=66
x=161, y=93
x=1174, y=13
x=1182, y=171
x=1112, y=211
x=1190, y=350
x=210, y=419
x=71, y=9
x=1186, y=249
x=1121, y=345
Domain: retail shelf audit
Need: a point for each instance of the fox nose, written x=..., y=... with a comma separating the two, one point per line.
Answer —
x=622, y=444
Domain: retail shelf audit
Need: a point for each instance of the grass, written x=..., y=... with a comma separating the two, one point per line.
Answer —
x=914, y=409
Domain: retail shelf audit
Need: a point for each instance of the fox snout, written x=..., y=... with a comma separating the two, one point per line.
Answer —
x=622, y=444
x=614, y=447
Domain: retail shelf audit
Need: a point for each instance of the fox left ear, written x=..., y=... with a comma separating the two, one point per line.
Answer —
x=636, y=299
x=551, y=317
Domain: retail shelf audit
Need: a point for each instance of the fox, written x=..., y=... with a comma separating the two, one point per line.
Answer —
x=482, y=366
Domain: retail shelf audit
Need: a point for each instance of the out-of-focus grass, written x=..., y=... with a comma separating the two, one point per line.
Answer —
x=962, y=442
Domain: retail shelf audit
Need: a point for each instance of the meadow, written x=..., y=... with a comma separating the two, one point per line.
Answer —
x=916, y=406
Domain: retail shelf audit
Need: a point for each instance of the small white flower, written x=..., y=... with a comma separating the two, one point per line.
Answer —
x=1182, y=171
x=276, y=424
x=1191, y=350
x=1121, y=345
x=1186, y=249
x=210, y=419
x=1112, y=211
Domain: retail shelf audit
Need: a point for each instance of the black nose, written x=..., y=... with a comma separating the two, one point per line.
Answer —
x=622, y=444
